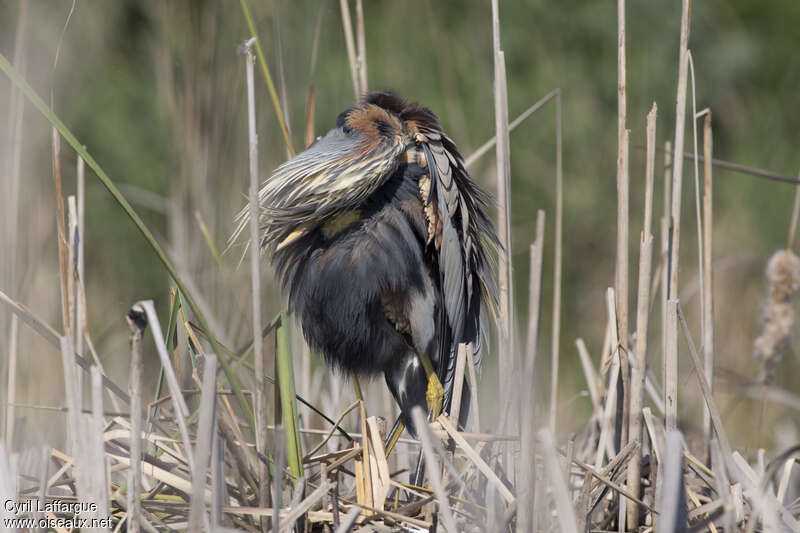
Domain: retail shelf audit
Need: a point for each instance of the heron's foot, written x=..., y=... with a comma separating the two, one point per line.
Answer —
x=434, y=396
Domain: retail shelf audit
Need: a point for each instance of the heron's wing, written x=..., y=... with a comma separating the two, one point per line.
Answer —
x=335, y=174
x=463, y=234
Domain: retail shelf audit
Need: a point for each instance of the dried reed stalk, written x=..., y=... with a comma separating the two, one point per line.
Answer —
x=611, y=364
x=666, y=239
x=11, y=369
x=80, y=237
x=623, y=187
x=557, y=261
x=99, y=486
x=526, y=464
x=147, y=308
x=677, y=171
x=61, y=232
x=639, y=366
x=503, y=169
x=259, y=410
x=434, y=472
x=708, y=271
x=206, y=433
x=670, y=364
x=347, y=25
x=11, y=206
x=566, y=513
x=362, y=46
x=535, y=293
x=672, y=504
x=137, y=320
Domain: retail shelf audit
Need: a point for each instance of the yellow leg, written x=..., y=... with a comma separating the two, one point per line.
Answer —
x=434, y=395
x=397, y=430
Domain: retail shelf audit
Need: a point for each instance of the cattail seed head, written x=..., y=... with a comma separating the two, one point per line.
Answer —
x=783, y=277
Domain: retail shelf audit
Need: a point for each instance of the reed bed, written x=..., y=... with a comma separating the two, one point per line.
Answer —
x=229, y=442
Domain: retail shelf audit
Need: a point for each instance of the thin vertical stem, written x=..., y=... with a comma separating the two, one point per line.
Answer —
x=557, y=261
x=137, y=321
x=80, y=310
x=62, y=232
x=11, y=389
x=677, y=171
x=206, y=433
x=347, y=25
x=527, y=461
x=642, y=317
x=72, y=289
x=671, y=367
x=621, y=280
x=708, y=284
x=700, y=276
x=535, y=290
x=665, y=243
x=504, y=214
x=362, y=46
x=8, y=236
x=255, y=280
x=96, y=445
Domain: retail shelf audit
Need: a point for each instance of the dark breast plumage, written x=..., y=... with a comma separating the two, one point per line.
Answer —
x=382, y=245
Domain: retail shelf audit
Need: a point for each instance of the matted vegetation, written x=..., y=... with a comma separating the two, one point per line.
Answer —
x=231, y=440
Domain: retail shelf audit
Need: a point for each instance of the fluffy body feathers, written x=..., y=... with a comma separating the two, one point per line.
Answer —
x=382, y=245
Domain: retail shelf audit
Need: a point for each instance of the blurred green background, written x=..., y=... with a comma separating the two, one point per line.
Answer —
x=156, y=92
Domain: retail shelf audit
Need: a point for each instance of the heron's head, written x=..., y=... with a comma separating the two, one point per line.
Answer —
x=339, y=171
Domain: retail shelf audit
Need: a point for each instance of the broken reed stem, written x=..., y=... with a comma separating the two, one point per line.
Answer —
x=527, y=460
x=677, y=171
x=137, y=320
x=708, y=271
x=642, y=318
x=505, y=282
x=347, y=25
x=557, y=261
x=259, y=410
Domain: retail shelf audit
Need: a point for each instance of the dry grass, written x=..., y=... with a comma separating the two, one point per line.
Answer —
x=216, y=451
